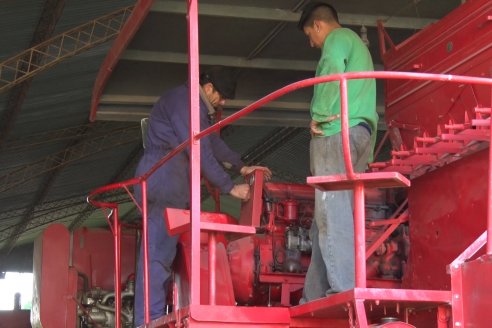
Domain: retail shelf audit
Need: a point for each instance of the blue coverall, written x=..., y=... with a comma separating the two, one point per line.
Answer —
x=169, y=186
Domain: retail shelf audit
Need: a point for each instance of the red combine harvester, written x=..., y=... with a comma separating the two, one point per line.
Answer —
x=423, y=219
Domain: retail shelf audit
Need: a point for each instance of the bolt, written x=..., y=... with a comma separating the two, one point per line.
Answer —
x=457, y=324
x=456, y=296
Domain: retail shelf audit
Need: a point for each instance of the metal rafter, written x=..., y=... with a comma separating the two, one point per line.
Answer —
x=46, y=54
x=69, y=155
x=284, y=15
x=30, y=221
x=272, y=34
x=63, y=205
x=50, y=15
x=26, y=222
x=234, y=61
x=39, y=197
x=33, y=140
x=79, y=204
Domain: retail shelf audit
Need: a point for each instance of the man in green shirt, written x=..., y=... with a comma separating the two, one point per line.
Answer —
x=332, y=232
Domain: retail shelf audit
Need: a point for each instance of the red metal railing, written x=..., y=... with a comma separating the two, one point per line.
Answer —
x=195, y=188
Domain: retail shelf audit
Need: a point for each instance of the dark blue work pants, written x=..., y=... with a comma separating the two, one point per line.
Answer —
x=162, y=250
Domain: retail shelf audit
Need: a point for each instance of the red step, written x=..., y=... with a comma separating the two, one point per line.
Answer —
x=370, y=180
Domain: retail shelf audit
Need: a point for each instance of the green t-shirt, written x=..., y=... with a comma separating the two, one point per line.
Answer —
x=343, y=51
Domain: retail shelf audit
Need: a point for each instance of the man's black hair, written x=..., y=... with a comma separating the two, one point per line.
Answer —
x=224, y=80
x=310, y=8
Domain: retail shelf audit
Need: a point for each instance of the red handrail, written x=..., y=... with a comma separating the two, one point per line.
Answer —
x=277, y=94
x=359, y=211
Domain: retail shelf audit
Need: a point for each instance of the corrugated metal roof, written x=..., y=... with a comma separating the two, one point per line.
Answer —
x=18, y=20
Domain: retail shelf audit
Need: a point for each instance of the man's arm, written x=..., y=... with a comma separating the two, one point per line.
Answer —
x=177, y=113
x=326, y=95
x=223, y=153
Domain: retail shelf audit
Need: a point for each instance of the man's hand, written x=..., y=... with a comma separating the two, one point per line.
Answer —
x=314, y=125
x=245, y=170
x=240, y=191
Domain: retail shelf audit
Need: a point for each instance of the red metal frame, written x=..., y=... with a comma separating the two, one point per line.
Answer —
x=340, y=182
x=278, y=317
x=119, y=45
x=193, y=64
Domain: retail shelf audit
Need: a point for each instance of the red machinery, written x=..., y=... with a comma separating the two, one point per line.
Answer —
x=268, y=267
x=440, y=134
x=246, y=274
x=74, y=278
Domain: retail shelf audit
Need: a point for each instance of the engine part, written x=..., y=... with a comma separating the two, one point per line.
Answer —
x=98, y=307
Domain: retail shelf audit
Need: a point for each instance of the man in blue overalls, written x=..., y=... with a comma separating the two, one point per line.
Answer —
x=169, y=186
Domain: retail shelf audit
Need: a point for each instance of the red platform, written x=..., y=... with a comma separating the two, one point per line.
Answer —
x=370, y=180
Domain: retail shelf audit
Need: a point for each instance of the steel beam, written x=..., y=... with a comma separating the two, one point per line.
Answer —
x=44, y=55
x=287, y=113
x=15, y=70
x=285, y=15
x=66, y=134
x=233, y=61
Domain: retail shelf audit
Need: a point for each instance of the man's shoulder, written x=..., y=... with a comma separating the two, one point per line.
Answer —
x=173, y=96
x=344, y=33
x=177, y=91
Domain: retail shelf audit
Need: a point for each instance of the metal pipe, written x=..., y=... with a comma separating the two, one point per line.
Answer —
x=280, y=92
x=489, y=202
x=359, y=235
x=195, y=135
x=117, y=266
x=111, y=309
x=145, y=240
x=193, y=68
x=212, y=264
x=337, y=77
x=345, y=129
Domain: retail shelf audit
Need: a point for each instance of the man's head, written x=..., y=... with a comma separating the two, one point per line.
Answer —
x=317, y=20
x=219, y=84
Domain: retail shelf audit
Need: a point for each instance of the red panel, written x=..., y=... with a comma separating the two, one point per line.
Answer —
x=93, y=255
x=442, y=46
x=250, y=316
x=251, y=210
x=241, y=258
x=225, y=296
x=58, y=273
x=447, y=210
x=477, y=291
x=415, y=107
x=50, y=305
x=178, y=222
